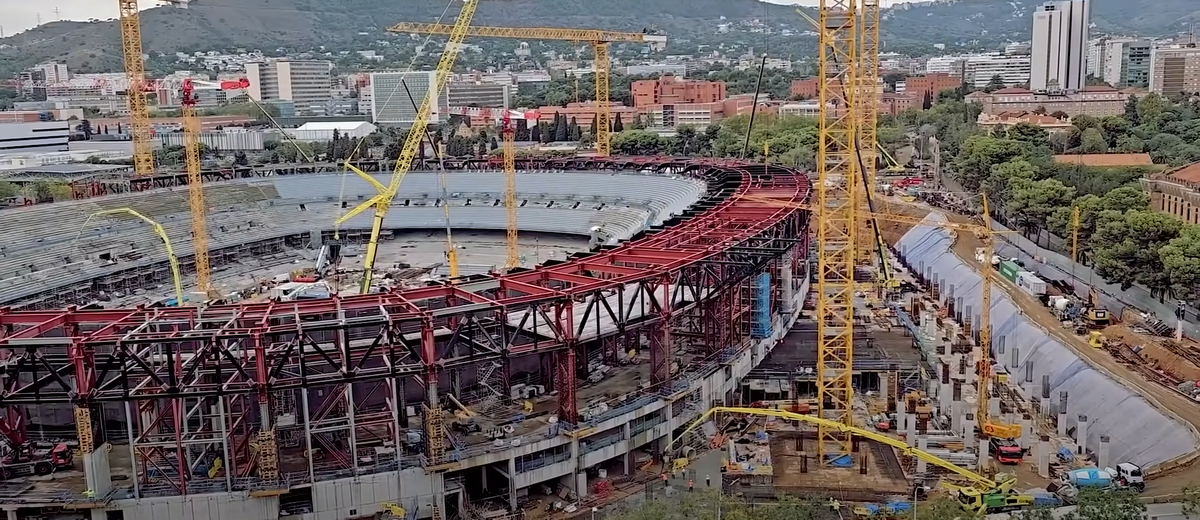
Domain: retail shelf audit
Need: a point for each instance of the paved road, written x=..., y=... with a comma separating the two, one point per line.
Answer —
x=1162, y=398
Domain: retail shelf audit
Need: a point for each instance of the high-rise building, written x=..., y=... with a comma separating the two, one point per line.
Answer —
x=308, y=84
x=389, y=100
x=1127, y=63
x=1060, y=45
x=1175, y=70
x=1012, y=70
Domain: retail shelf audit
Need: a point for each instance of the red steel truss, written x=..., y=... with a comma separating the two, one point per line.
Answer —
x=168, y=371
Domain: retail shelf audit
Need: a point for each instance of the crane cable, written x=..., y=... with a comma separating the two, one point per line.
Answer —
x=345, y=168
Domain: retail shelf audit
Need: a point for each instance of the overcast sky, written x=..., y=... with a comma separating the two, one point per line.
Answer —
x=19, y=15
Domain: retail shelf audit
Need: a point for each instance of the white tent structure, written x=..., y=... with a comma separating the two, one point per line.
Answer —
x=324, y=131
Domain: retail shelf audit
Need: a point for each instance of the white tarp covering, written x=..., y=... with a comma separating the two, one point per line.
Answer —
x=1138, y=432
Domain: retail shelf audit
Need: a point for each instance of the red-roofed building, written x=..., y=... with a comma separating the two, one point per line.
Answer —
x=1176, y=193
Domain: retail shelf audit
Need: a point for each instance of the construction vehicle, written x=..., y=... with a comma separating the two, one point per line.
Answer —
x=26, y=460
x=1006, y=451
x=392, y=511
x=1096, y=316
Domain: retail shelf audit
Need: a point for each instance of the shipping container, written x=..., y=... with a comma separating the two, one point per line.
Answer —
x=1009, y=270
x=1030, y=283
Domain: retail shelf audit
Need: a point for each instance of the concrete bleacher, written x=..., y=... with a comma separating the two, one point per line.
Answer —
x=47, y=246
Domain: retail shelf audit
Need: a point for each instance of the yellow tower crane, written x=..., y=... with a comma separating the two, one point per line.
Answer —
x=987, y=427
x=838, y=193
x=191, y=145
x=135, y=70
x=513, y=259
x=867, y=99
x=598, y=38
x=416, y=134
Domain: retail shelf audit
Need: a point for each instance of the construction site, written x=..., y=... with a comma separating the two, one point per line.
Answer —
x=547, y=338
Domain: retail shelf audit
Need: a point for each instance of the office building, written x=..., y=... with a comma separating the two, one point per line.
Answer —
x=389, y=101
x=1098, y=101
x=39, y=137
x=1175, y=70
x=1060, y=46
x=1013, y=70
x=306, y=83
x=670, y=90
x=480, y=94
x=1127, y=63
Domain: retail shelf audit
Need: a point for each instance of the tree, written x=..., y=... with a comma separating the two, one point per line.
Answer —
x=1060, y=115
x=1127, y=248
x=979, y=153
x=618, y=126
x=1032, y=135
x=1032, y=202
x=1093, y=141
x=1099, y=504
x=1181, y=259
x=994, y=84
x=561, y=133
x=535, y=133
x=1003, y=175
x=592, y=128
x=9, y=190
x=1131, y=110
x=638, y=142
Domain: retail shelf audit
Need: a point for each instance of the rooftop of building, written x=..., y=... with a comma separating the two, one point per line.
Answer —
x=1107, y=159
x=1189, y=174
x=63, y=172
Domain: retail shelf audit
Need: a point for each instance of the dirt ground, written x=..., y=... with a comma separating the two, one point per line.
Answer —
x=1153, y=349
x=1161, y=397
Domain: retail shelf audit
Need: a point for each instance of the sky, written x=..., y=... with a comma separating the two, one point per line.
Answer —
x=17, y=15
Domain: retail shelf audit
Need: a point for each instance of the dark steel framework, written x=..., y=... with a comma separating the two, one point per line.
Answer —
x=167, y=367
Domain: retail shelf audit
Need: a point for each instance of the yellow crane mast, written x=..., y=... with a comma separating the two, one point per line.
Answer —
x=513, y=258
x=987, y=427
x=416, y=134
x=837, y=223
x=191, y=145
x=867, y=107
x=135, y=70
x=598, y=38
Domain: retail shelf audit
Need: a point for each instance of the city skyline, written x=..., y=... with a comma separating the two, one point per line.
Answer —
x=22, y=17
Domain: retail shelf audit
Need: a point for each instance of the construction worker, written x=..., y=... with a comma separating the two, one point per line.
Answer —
x=664, y=478
x=691, y=485
x=708, y=481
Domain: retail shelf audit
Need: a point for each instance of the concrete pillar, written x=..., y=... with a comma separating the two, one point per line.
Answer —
x=984, y=453
x=785, y=276
x=1062, y=424
x=512, y=480
x=994, y=406
x=1081, y=429
x=923, y=445
x=1045, y=406
x=1028, y=366
x=975, y=357
x=1026, y=431
x=968, y=431
x=1103, y=455
x=956, y=417
x=1062, y=402
x=1043, y=455
x=1014, y=359
x=910, y=429
x=12, y=514
x=999, y=347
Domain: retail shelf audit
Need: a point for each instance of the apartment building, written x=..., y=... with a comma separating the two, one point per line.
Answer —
x=480, y=94
x=670, y=90
x=387, y=96
x=1127, y=63
x=931, y=84
x=308, y=84
x=1175, y=70
x=1093, y=101
x=1060, y=45
x=1013, y=70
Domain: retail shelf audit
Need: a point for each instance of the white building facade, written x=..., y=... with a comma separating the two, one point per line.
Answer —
x=1060, y=45
x=39, y=137
x=388, y=96
x=308, y=84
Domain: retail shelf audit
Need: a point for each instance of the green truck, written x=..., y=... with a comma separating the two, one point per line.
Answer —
x=1009, y=271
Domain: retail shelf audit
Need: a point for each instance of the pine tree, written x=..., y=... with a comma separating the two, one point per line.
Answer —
x=592, y=129
x=521, y=133
x=618, y=126
x=547, y=133
x=576, y=133
x=535, y=133
x=561, y=131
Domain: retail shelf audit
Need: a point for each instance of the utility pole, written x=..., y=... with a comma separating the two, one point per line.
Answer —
x=57, y=15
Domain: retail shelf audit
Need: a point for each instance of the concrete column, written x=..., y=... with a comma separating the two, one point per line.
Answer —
x=923, y=445
x=984, y=453
x=1062, y=402
x=1045, y=405
x=1043, y=455
x=512, y=481
x=999, y=347
x=976, y=352
x=1062, y=424
x=968, y=431
x=994, y=406
x=1026, y=431
x=12, y=514
x=910, y=427
x=1103, y=455
x=1081, y=429
x=956, y=417
x=1014, y=359
x=785, y=276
